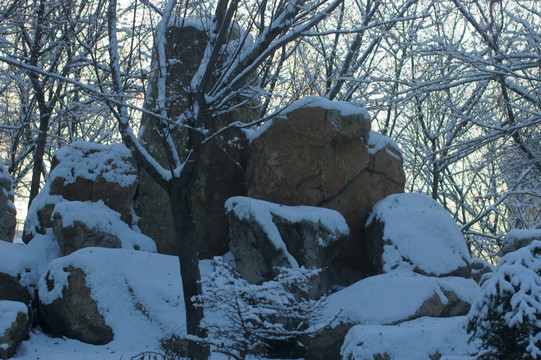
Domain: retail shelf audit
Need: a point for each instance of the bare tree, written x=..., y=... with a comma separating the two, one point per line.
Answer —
x=222, y=76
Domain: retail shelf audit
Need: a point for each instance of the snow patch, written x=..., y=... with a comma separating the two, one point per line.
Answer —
x=96, y=215
x=247, y=208
x=28, y=261
x=8, y=314
x=418, y=232
x=376, y=142
x=138, y=293
x=390, y=298
x=88, y=160
x=345, y=108
x=416, y=339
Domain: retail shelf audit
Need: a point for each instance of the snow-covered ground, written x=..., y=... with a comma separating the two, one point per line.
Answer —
x=417, y=339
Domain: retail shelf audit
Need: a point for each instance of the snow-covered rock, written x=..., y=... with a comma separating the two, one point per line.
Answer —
x=397, y=297
x=98, y=295
x=14, y=326
x=413, y=232
x=7, y=208
x=85, y=172
x=318, y=152
x=265, y=235
x=87, y=224
x=518, y=238
x=421, y=339
x=21, y=267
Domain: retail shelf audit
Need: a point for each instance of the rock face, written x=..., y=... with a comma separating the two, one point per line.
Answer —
x=76, y=313
x=85, y=172
x=413, y=232
x=266, y=235
x=78, y=225
x=11, y=289
x=220, y=172
x=322, y=153
x=7, y=208
x=97, y=294
x=14, y=326
x=519, y=238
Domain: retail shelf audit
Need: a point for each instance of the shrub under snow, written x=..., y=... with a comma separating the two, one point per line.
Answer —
x=243, y=318
x=507, y=316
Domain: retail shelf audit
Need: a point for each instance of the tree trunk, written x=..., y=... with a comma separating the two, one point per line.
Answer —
x=38, y=157
x=181, y=208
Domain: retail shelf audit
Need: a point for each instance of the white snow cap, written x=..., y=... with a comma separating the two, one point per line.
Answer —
x=96, y=215
x=88, y=160
x=419, y=232
x=344, y=107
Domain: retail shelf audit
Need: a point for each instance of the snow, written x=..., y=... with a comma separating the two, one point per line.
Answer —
x=97, y=216
x=390, y=298
x=376, y=142
x=263, y=211
x=138, y=293
x=28, y=261
x=518, y=238
x=419, y=233
x=345, y=108
x=8, y=314
x=510, y=301
x=417, y=339
x=88, y=160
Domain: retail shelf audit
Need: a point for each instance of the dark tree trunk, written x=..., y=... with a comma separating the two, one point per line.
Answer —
x=180, y=199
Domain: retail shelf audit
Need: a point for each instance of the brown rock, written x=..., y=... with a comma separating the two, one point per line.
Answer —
x=17, y=331
x=220, y=172
x=265, y=236
x=78, y=225
x=11, y=289
x=85, y=172
x=320, y=155
x=76, y=313
x=326, y=344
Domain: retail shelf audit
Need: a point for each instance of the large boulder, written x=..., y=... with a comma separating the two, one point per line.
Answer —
x=85, y=172
x=7, y=208
x=411, y=231
x=14, y=326
x=220, y=170
x=98, y=295
x=397, y=297
x=384, y=302
x=78, y=225
x=426, y=338
x=322, y=153
x=265, y=236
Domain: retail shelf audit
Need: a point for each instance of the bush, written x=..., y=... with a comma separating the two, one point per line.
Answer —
x=507, y=316
x=242, y=318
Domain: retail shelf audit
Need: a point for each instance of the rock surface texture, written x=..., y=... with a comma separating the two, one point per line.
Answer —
x=75, y=314
x=14, y=326
x=413, y=232
x=85, y=172
x=7, y=208
x=322, y=153
x=220, y=171
x=266, y=235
